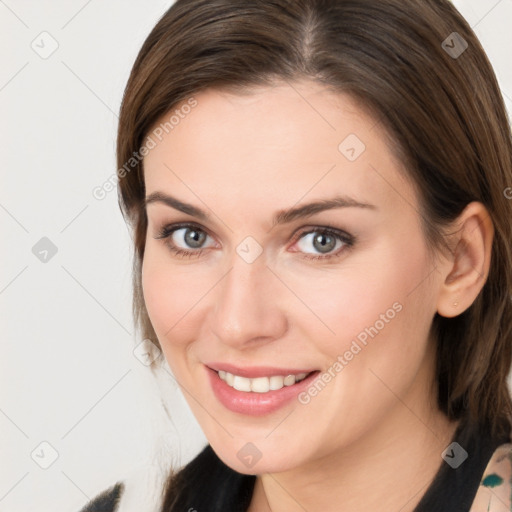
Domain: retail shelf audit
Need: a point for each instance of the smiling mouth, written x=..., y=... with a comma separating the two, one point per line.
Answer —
x=260, y=390
x=261, y=384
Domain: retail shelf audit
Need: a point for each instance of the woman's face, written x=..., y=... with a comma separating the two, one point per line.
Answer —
x=239, y=274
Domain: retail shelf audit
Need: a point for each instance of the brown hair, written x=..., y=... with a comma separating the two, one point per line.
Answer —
x=444, y=111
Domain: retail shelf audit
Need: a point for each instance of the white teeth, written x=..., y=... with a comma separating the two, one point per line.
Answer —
x=289, y=380
x=241, y=383
x=276, y=382
x=259, y=384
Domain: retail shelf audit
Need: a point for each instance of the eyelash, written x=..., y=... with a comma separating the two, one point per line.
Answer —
x=347, y=240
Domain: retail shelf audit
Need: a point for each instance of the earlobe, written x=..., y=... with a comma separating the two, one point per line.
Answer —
x=466, y=269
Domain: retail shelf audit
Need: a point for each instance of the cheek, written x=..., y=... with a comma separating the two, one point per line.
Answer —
x=381, y=316
x=171, y=296
x=384, y=295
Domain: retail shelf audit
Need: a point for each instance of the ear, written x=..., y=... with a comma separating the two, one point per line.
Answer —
x=465, y=269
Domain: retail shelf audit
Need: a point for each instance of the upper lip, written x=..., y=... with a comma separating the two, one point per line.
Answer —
x=251, y=372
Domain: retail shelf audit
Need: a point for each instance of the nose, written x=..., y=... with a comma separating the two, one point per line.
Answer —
x=248, y=309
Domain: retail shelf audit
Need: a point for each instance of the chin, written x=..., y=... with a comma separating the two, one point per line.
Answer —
x=249, y=460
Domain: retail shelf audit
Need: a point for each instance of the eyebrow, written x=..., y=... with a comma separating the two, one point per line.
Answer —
x=281, y=217
x=160, y=197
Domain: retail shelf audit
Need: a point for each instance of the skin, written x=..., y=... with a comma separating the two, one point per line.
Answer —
x=376, y=425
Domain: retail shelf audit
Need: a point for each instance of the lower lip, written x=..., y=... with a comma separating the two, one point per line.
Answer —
x=252, y=403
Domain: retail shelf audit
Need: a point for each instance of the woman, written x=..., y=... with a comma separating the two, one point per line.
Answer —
x=319, y=192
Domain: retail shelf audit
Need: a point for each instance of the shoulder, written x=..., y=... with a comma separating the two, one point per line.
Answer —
x=139, y=490
x=107, y=501
x=495, y=490
x=205, y=483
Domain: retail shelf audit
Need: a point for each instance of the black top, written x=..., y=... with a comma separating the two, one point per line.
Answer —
x=452, y=490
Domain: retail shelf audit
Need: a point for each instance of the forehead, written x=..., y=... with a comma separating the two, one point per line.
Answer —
x=280, y=143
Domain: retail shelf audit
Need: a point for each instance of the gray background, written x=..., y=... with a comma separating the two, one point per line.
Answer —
x=68, y=376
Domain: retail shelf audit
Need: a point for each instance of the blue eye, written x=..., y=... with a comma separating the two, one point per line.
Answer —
x=320, y=243
x=185, y=240
x=190, y=238
x=324, y=243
